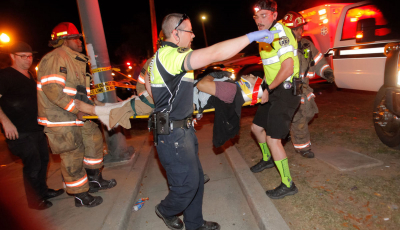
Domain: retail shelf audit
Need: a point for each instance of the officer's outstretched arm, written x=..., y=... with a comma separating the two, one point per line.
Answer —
x=226, y=49
x=218, y=52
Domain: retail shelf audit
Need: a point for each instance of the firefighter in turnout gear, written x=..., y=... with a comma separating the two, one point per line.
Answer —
x=61, y=75
x=311, y=62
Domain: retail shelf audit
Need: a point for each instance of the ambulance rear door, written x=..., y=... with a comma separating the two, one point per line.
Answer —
x=359, y=65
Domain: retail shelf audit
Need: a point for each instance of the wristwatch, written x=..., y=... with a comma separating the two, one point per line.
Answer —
x=268, y=89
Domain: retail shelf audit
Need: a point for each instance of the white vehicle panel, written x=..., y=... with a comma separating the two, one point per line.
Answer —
x=360, y=73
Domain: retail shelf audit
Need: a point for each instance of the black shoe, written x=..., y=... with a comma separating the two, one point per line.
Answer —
x=208, y=225
x=87, y=200
x=51, y=193
x=281, y=191
x=206, y=178
x=172, y=222
x=96, y=181
x=307, y=154
x=260, y=166
x=41, y=205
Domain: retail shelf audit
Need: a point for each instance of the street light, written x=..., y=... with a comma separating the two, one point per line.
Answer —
x=204, y=30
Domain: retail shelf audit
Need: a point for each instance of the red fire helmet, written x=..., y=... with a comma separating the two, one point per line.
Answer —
x=293, y=20
x=64, y=30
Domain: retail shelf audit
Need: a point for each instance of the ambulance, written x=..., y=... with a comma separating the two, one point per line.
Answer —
x=357, y=56
x=364, y=55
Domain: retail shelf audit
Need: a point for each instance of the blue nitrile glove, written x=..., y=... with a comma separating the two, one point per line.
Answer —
x=262, y=36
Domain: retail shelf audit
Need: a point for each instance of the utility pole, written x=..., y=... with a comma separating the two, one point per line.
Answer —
x=96, y=48
x=153, y=25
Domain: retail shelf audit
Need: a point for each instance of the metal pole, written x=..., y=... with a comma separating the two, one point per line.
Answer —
x=153, y=25
x=96, y=48
x=204, y=32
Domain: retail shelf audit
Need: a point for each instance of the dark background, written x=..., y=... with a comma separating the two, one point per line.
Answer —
x=127, y=23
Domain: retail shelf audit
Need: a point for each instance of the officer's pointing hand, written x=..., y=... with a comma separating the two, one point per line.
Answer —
x=262, y=36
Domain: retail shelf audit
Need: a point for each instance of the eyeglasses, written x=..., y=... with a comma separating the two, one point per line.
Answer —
x=185, y=31
x=183, y=18
x=24, y=57
x=262, y=16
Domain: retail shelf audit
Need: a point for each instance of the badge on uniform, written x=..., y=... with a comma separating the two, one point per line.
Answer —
x=284, y=41
x=183, y=49
x=63, y=70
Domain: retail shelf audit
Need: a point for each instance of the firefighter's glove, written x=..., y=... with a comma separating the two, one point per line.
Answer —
x=81, y=94
x=328, y=74
x=262, y=36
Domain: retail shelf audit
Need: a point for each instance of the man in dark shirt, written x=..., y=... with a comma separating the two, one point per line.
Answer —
x=24, y=136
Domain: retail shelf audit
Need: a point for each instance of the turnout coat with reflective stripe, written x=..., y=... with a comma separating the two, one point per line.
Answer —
x=60, y=72
x=272, y=55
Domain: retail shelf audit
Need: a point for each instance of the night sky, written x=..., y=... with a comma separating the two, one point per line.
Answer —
x=127, y=23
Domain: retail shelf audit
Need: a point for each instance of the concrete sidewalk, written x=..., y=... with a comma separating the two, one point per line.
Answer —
x=233, y=197
x=224, y=200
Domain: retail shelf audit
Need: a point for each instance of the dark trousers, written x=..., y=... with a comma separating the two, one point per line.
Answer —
x=32, y=149
x=178, y=153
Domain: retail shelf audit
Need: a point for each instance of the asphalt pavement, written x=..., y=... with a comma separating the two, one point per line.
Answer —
x=233, y=197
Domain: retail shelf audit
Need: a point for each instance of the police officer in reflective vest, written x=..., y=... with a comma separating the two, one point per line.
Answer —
x=278, y=103
x=171, y=76
x=312, y=62
x=79, y=143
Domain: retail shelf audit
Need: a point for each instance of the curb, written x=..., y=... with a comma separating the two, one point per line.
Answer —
x=264, y=211
x=119, y=214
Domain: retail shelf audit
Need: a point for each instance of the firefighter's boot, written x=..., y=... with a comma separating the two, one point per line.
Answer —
x=96, y=181
x=87, y=200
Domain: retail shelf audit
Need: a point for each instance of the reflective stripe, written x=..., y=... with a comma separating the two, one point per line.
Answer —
x=322, y=69
x=77, y=183
x=69, y=91
x=311, y=75
x=284, y=50
x=39, y=86
x=158, y=85
x=43, y=121
x=144, y=93
x=295, y=52
x=301, y=146
x=89, y=161
x=187, y=79
x=58, y=79
x=378, y=50
x=309, y=96
x=88, y=91
x=141, y=79
x=270, y=60
x=317, y=59
x=71, y=106
x=301, y=75
x=280, y=27
x=302, y=100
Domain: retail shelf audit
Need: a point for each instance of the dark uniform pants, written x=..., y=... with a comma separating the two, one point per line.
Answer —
x=178, y=153
x=79, y=148
x=299, y=130
x=32, y=149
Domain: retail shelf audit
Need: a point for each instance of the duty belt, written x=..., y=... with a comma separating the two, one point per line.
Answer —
x=185, y=123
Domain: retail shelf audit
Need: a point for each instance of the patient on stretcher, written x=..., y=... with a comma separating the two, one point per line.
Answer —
x=214, y=83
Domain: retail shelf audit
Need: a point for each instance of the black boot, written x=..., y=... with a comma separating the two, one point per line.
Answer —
x=307, y=154
x=87, y=200
x=281, y=191
x=96, y=181
x=172, y=222
x=260, y=166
